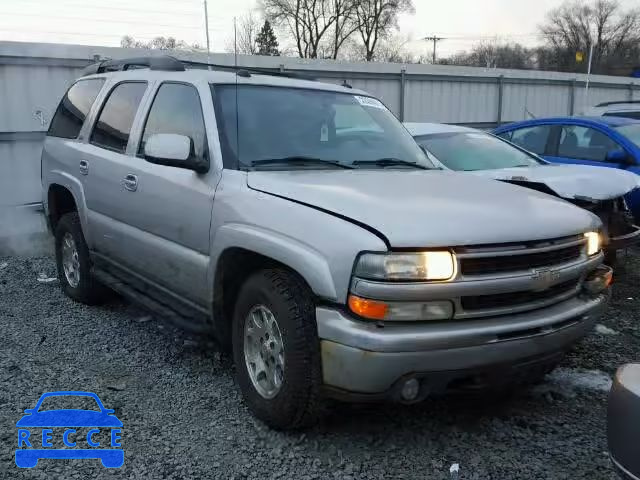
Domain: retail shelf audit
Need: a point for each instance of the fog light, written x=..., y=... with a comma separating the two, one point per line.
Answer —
x=598, y=280
x=410, y=389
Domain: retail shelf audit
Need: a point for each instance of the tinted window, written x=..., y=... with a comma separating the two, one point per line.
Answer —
x=584, y=143
x=114, y=123
x=474, y=151
x=278, y=124
x=631, y=131
x=74, y=107
x=176, y=109
x=635, y=115
x=533, y=139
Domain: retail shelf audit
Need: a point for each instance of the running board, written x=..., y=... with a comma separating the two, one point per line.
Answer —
x=195, y=323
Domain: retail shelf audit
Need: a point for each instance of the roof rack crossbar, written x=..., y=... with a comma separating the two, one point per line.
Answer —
x=256, y=70
x=617, y=102
x=163, y=62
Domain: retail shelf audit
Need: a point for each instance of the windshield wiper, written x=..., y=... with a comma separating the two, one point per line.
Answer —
x=390, y=162
x=299, y=160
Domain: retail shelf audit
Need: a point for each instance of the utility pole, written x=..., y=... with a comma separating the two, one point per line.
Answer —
x=435, y=40
x=206, y=27
x=586, y=88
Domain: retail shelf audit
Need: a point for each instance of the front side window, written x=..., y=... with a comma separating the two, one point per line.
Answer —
x=287, y=127
x=74, y=108
x=584, y=143
x=176, y=109
x=474, y=151
x=631, y=132
x=113, y=127
x=533, y=139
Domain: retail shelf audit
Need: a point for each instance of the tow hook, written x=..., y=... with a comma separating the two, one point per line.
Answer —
x=598, y=280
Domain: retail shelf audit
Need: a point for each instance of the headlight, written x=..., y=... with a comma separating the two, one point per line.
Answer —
x=593, y=242
x=406, y=266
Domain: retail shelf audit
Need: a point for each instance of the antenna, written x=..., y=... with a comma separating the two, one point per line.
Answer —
x=235, y=61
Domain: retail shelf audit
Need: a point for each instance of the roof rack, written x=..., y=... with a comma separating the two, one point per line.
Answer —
x=243, y=71
x=618, y=102
x=172, y=64
x=163, y=62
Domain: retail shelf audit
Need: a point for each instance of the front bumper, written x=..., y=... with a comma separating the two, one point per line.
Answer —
x=364, y=359
x=626, y=240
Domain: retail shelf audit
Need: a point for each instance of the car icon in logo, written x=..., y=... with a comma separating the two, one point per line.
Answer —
x=66, y=422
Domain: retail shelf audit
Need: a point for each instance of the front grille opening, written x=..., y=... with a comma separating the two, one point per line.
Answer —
x=524, y=261
x=482, y=302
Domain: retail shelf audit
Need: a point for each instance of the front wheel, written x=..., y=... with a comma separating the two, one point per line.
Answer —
x=276, y=349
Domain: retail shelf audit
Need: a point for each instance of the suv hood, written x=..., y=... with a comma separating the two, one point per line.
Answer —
x=430, y=208
x=573, y=182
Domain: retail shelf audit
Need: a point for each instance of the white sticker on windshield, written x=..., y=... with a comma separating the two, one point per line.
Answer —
x=369, y=102
x=324, y=133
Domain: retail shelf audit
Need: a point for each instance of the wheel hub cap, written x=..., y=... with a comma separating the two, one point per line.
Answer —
x=264, y=351
x=70, y=260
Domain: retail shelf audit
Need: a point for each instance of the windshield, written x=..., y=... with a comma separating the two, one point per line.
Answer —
x=284, y=128
x=631, y=131
x=475, y=151
x=69, y=402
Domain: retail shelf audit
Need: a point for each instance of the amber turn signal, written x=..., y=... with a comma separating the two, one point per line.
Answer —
x=368, y=308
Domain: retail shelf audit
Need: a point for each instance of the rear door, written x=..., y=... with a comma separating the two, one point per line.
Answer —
x=103, y=164
x=162, y=214
x=582, y=145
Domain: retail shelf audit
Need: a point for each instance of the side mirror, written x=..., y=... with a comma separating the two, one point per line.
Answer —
x=617, y=156
x=623, y=418
x=173, y=150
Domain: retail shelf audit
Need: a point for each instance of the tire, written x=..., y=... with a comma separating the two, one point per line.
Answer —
x=297, y=403
x=87, y=290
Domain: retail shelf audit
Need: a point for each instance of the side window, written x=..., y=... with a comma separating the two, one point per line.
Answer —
x=113, y=127
x=506, y=135
x=74, y=107
x=585, y=143
x=629, y=114
x=176, y=109
x=533, y=139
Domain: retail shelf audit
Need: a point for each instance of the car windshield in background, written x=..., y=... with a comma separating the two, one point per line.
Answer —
x=474, y=151
x=631, y=131
x=285, y=128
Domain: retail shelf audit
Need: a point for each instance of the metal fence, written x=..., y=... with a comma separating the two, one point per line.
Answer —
x=34, y=76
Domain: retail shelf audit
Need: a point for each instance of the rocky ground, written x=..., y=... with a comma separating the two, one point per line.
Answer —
x=184, y=418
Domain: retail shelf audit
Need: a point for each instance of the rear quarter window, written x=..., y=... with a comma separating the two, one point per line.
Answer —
x=74, y=107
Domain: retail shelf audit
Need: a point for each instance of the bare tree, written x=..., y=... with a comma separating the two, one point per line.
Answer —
x=577, y=26
x=375, y=20
x=493, y=54
x=158, y=43
x=308, y=21
x=247, y=27
x=345, y=23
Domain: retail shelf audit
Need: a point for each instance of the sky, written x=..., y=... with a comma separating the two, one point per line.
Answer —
x=462, y=23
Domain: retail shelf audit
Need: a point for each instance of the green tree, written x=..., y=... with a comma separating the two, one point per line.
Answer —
x=266, y=41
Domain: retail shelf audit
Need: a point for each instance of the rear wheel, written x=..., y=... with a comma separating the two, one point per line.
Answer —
x=276, y=349
x=74, y=263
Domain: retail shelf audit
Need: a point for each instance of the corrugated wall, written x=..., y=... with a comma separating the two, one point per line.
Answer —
x=33, y=77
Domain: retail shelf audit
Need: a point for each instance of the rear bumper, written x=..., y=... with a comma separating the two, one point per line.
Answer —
x=363, y=359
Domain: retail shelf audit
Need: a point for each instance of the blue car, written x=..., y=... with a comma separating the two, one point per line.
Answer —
x=35, y=429
x=612, y=142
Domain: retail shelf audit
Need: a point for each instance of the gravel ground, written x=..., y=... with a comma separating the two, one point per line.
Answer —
x=184, y=418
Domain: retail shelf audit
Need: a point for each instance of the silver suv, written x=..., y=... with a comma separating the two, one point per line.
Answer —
x=300, y=224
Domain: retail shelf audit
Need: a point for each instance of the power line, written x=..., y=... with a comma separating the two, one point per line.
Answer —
x=122, y=9
x=104, y=20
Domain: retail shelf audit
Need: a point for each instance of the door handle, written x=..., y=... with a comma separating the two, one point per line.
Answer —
x=84, y=167
x=131, y=182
